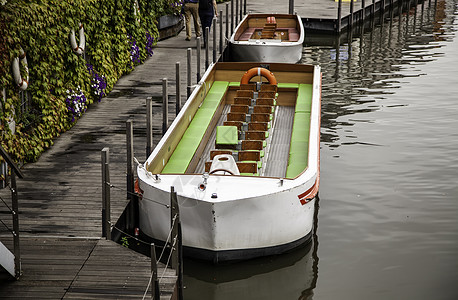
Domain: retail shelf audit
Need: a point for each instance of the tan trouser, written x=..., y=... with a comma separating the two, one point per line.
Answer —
x=192, y=9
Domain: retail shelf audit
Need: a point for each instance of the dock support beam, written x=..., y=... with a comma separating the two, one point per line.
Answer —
x=232, y=17
x=130, y=159
x=176, y=240
x=207, y=38
x=339, y=16
x=198, y=58
x=214, y=40
x=106, y=214
x=220, y=32
x=227, y=20
x=155, y=292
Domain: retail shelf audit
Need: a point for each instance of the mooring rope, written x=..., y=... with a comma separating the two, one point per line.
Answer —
x=136, y=194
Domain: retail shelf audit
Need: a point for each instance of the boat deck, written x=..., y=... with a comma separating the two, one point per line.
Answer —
x=277, y=156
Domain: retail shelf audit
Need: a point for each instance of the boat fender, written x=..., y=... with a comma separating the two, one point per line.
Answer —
x=260, y=72
x=78, y=49
x=138, y=190
x=21, y=82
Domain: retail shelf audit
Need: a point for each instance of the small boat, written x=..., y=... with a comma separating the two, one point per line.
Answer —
x=243, y=158
x=268, y=38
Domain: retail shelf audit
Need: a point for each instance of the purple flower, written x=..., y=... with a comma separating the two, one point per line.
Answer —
x=98, y=83
x=76, y=103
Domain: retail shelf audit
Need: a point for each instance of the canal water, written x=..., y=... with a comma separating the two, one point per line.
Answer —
x=387, y=217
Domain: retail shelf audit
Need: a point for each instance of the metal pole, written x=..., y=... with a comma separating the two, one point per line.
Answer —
x=291, y=7
x=207, y=32
x=174, y=219
x=232, y=17
x=188, y=88
x=178, y=90
x=339, y=16
x=165, y=106
x=227, y=20
x=15, y=213
x=106, y=215
x=149, y=126
x=241, y=11
x=214, y=40
x=244, y=7
x=155, y=292
x=220, y=32
x=236, y=13
x=351, y=14
x=198, y=59
x=130, y=158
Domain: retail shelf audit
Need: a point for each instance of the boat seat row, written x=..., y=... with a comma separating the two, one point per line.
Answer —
x=184, y=151
x=298, y=152
x=251, y=122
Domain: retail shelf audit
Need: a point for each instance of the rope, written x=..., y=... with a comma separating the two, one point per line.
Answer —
x=11, y=231
x=168, y=260
x=6, y=204
x=131, y=236
x=168, y=237
x=138, y=195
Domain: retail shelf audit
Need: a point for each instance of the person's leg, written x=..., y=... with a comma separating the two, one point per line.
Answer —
x=206, y=21
x=187, y=17
x=195, y=15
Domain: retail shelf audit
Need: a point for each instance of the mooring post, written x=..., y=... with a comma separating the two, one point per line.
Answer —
x=155, y=292
x=198, y=58
x=165, y=106
x=207, y=32
x=363, y=10
x=149, y=126
x=214, y=40
x=188, y=71
x=373, y=9
x=244, y=7
x=232, y=17
x=291, y=7
x=15, y=213
x=130, y=158
x=339, y=16
x=220, y=16
x=174, y=220
x=351, y=14
x=227, y=20
x=178, y=90
x=106, y=215
x=236, y=13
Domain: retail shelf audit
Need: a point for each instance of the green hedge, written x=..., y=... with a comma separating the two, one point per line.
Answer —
x=42, y=29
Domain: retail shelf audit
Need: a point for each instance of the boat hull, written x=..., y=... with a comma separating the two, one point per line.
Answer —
x=262, y=51
x=229, y=229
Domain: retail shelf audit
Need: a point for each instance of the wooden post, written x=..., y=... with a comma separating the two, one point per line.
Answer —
x=198, y=58
x=106, y=214
x=207, y=32
x=155, y=291
x=291, y=7
x=178, y=90
x=149, y=126
x=339, y=16
x=244, y=7
x=220, y=32
x=363, y=10
x=373, y=8
x=188, y=71
x=227, y=20
x=232, y=17
x=15, y=213
x=214, y=40
x=165, y=106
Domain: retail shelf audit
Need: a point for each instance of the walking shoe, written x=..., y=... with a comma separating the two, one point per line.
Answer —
x=188, y=39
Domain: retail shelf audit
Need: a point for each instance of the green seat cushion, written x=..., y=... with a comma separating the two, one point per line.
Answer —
x=287, y=85
x=304, y=98
x=234, y=83
x=227, y=135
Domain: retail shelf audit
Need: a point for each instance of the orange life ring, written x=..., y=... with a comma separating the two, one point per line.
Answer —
x=260, y=72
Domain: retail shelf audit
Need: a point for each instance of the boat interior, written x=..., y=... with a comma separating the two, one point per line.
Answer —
x=248, y=129
x=281, y=28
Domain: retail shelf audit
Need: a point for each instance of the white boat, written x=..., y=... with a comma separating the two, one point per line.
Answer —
x=268, y=38
x=243, y=158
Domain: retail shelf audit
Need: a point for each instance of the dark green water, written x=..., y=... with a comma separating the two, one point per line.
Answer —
x=387, y=223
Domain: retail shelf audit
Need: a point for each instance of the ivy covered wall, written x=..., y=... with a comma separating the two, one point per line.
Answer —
x=119, y=35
